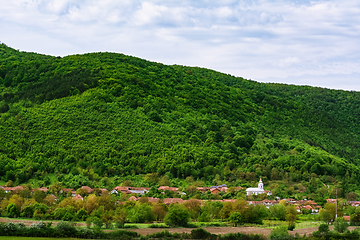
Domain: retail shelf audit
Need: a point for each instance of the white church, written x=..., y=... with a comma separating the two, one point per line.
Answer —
x=258, y=190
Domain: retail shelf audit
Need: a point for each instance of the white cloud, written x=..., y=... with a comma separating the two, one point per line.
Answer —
x=257, y=39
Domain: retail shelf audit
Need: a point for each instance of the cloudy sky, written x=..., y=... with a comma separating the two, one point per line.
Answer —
x=299, y=42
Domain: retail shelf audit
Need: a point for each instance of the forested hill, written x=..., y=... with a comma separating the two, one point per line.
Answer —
x=83, y=117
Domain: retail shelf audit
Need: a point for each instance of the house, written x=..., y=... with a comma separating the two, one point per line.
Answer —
x=139, y=190
x=215, y=190
x=87, y=189
x=67, y=190
x=13, y=189
x=354, y=203
x=218, y=189
x=43, y=189
x=331, y=200
x=153, y=200
x=78, y=197
x=118, y=190
x=171, y=189
x=257, y=191
x=169, y=201
x=133, y=198
x=103, y=190
x=268, y=203
x=203, y=189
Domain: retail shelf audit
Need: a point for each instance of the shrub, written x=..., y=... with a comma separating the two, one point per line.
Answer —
x=279, y=232
x=202, y=234
x=38, y=215
x=204, y=217
x=235, y=218
x=88, y=222
x=38, y=225
x=98, y=222
x=177, y=215
x=158, y=226
x=65, y=229
x=12, y=210
x=121, y=234
x=340, y=225
x=291, y=227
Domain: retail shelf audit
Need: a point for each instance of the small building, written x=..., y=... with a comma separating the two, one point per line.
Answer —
x=257, y=191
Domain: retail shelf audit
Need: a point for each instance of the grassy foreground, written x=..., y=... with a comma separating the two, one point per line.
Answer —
x=31, y=238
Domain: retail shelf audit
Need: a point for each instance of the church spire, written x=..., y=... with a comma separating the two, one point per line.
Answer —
x=260, y=185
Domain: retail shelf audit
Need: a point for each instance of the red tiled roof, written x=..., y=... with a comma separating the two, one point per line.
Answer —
x=18, y=188
x=133, y=198
x=152, y=199
x=78, y=197
x=139, y=188
x=67, y=189
x=164, y=188
x=88, y=189
x=169, y=201
x=121, y=188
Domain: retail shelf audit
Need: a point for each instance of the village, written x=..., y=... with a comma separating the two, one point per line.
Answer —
x=139, y=194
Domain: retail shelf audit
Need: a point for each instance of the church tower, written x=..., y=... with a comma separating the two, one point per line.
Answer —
x=260, y=185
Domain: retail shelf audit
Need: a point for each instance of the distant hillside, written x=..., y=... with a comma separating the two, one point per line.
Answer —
x=107, y=114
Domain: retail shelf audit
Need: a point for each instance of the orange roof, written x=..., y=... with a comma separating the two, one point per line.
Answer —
x=173, y=200
x=44, y=189
x=164, y=188
x=121, y=188
x=88, y=189
x=78, y=197
x=307, y=207
x=152, y=199
x=67, y=189
x=133, y=198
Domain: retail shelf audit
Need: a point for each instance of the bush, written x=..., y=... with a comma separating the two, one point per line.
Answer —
x=204, y=217
x=235, y=218
x=121, y=234
x=291, y=227
x=98, y=222
x=159, y=226
x=38, y=225
x=65, y=229
x=340, y=225
x=177, y=216
x=237, y=236
x=202, y=234
x=130, y=226
x=279, y=233
x=12, y=210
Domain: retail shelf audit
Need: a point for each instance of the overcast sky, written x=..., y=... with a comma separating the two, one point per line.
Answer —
x=299, y=42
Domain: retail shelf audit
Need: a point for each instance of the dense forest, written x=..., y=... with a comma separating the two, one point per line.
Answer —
x=85, y=119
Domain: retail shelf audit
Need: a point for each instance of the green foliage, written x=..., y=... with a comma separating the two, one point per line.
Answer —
x=84, y=117
x=200, y=233
x=65, y=229
x=177, y=216
x=323, y=228
x=235, y=218
x=340, y=225
x=12, y=210
x=280, y=233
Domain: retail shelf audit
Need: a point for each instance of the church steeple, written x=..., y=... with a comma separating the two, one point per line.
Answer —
x=260, y=185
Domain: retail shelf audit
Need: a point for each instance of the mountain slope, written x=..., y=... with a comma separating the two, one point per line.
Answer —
x=107, y=114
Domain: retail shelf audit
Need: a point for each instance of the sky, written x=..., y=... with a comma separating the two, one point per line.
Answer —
x=300, y=42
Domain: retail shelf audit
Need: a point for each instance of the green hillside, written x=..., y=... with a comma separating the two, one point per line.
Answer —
x=85, y=117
